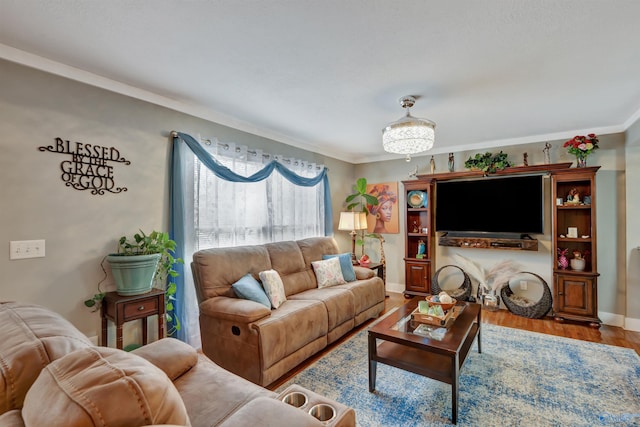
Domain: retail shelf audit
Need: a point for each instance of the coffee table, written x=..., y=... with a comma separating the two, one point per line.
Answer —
x=431, y=351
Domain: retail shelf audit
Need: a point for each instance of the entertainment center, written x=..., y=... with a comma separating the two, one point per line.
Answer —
x=499, y=212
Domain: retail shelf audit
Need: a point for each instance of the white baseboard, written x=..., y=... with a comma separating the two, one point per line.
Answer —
x=395, y=287
x=631, y=324
x=611, y=319
x=626, y=323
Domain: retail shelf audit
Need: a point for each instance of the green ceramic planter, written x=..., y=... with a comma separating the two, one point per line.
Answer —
x=133, y=274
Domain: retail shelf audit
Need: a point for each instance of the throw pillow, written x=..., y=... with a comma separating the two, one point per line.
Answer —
x=346, y=265
x=273, y=286
x=249, y=288
x=328, y=272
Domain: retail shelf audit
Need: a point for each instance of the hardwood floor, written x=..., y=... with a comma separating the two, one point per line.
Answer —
x=605, y=335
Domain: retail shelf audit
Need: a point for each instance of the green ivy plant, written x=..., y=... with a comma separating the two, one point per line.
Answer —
x=156, y=242
x=488, y=163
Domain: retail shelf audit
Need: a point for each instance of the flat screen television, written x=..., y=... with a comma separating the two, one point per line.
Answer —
x=491, y=205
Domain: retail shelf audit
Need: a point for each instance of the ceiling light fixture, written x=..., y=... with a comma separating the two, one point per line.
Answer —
x=408, y=135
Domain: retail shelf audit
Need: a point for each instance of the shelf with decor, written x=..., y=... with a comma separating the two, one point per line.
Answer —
x=575, y=245
x=419, y=237
x=489, y=243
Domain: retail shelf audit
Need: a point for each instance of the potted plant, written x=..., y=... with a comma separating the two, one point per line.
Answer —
x=138, y=264
x=488, y=163
x=360, y=199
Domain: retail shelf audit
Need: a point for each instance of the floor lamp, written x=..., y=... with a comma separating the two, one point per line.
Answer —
x=353, y=221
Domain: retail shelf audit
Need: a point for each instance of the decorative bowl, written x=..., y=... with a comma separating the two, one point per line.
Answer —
x=444, y=306
x=417, y=199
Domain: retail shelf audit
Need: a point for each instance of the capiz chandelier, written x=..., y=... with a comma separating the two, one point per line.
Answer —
x=409, y=135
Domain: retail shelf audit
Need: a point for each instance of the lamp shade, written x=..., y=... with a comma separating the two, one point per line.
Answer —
x=352, y=221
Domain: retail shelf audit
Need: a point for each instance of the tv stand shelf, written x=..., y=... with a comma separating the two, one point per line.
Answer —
x=489, y=243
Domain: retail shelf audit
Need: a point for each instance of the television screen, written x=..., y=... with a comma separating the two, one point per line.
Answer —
x=495, y=205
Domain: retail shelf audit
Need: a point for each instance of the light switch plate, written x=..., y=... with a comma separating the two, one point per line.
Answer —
x=21, y=249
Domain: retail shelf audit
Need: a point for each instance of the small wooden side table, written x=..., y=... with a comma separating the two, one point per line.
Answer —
x=120, y=309
x=379, y=268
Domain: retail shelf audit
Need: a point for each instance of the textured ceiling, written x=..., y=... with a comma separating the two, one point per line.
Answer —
x=327, y=75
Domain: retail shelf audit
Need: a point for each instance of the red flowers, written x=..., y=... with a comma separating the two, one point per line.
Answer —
x=581, y=145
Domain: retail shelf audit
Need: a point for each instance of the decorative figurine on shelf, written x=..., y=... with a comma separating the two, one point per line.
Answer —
x=587, y=200
x=432, y=163
x=364, y=260
x=545, y=150
x=573, y=196
x=422, y=249
x=414, y=172
x=525, y=159
x=563, y=262
x=416, y=227
x=451, y=162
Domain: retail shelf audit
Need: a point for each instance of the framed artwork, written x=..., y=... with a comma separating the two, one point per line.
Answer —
x=383, y=217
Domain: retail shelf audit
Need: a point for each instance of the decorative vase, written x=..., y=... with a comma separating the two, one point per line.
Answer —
x=581, y=161
x=491, y=301
x=578, y=264
x=134, y=274
x=563, y=262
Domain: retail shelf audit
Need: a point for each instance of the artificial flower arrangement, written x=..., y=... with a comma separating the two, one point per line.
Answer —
x=580, y=254
x=579, y=260
x=582, y=146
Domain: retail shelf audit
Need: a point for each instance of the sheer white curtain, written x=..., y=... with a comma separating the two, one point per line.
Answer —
x=233, y=214
x=221, y=213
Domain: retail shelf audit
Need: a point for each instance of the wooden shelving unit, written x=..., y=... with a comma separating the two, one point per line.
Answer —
x=489, y=243
x=576, y=292
x=418, y=270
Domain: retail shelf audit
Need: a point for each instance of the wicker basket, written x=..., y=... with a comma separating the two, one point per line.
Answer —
x=524, y=307
x=462, y=293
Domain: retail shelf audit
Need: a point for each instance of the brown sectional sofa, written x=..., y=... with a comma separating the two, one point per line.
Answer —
x=262, y=344
x=51, y=375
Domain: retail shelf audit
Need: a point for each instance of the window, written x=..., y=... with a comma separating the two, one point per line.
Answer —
x=247, y=213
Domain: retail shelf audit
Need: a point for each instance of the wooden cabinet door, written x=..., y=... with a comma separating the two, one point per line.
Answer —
x=418, y=277
x=575, y=295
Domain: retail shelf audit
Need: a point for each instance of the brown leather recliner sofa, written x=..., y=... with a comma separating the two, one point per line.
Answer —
x=262, y=344
x=51, y=375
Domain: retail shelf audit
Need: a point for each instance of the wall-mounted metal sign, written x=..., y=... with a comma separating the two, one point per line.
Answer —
x=89, y=167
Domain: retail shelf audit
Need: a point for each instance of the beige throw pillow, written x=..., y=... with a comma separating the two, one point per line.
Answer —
x=273, y=286
x=328, y=272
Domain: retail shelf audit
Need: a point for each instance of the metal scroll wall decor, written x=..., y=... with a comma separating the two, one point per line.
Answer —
x=89, y=167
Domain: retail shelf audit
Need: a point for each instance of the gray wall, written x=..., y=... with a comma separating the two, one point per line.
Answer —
x=632, y=248
x=80, y=228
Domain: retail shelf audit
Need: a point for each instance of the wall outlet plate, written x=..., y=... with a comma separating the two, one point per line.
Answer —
x=21, y=249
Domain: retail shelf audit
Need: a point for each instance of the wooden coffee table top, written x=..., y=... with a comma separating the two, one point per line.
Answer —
x=431, y=351
x=398, y=327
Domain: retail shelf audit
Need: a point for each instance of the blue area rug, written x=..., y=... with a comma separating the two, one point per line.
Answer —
x=521, y=379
